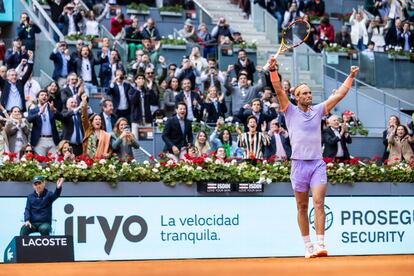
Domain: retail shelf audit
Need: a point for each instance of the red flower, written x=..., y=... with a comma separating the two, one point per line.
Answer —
x=328, y=160
x=40, y=158
x=151, y=158
x=12, y=155
x=376, y=157
x=354, y=161
x=161, y=155
x=163, y=164
x=29, y=156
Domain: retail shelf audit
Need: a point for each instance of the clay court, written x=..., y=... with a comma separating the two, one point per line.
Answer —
x=350, y=266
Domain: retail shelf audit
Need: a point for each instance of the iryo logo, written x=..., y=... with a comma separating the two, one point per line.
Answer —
x=328, y=217
x=110, y=232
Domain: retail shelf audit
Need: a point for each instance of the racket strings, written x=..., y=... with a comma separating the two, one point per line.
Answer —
x=295, y=34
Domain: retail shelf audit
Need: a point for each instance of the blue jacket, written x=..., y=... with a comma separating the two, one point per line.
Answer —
x=39, y=208
x=36, y=120
x=57, y=59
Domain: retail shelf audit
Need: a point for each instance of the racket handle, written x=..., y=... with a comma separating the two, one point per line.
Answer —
x=266, y=67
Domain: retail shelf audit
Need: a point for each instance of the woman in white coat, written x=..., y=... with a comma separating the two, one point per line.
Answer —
x=359, y=33
x=376, y=28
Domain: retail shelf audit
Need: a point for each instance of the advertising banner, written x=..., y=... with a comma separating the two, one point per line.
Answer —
x=6, y=10
x=132, y=228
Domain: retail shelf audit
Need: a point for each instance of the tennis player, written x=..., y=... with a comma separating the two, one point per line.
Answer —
x=308, y=170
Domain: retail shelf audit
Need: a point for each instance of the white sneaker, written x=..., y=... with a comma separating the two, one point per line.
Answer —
x=309, y=250
x=320, y=250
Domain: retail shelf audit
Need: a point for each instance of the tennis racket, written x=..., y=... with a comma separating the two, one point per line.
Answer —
x=293, y=36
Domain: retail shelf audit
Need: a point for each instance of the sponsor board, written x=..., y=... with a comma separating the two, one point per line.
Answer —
x=127, y=228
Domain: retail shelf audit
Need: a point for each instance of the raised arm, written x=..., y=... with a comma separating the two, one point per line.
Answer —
x=342, y=91
x=274, y=77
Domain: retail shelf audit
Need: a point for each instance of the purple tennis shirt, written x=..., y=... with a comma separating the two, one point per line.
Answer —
x=305, y=131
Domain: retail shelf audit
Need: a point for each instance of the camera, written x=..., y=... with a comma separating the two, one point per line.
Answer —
x=70, y=149
x=127, y=128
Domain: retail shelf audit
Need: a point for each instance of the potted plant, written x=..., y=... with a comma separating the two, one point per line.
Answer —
x=397, y=52
x=173, y=43
x=135, y=8
x=176, y=10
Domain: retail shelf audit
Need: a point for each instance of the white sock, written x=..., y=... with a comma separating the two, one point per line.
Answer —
x=320, y=238
x=306, y=239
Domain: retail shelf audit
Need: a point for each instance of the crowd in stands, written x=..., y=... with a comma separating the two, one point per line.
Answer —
x=58, y=119
x=383, y=24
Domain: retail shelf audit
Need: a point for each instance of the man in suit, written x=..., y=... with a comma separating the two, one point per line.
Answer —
x=70, y=19
x=108, y=118
x=118, y=91
x=244, y=64
x=13, y=88
x=255, y=109
x=279, y=142
x=72, y=129
x=61, y=60
x=44, y=136
x=178, y=131
x=140, y=97
x=14, y=55
x=71, y=89
x=109, y=67
x=391, y=38
x=187, y=71
x=85, y=69
x=335, y=138
x=406, y=39
x=192, y=100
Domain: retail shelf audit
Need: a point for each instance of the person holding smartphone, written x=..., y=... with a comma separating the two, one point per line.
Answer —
x=123, y=140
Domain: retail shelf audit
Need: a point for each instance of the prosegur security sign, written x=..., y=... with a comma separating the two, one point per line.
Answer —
x=216, y=227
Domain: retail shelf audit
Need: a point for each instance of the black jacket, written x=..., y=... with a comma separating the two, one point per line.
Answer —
x=330, y=141
x=391, y=38
x=135, y=98
x=173, y=136
x=271, y=150
x=5, y=88
x=78, y=68
x=250, y=69
x=212, y=113
x=116, y=96
x=263, y=117
x=197, y=110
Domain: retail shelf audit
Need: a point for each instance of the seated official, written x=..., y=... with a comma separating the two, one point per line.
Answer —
x=334, y=139
x=38, y=212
